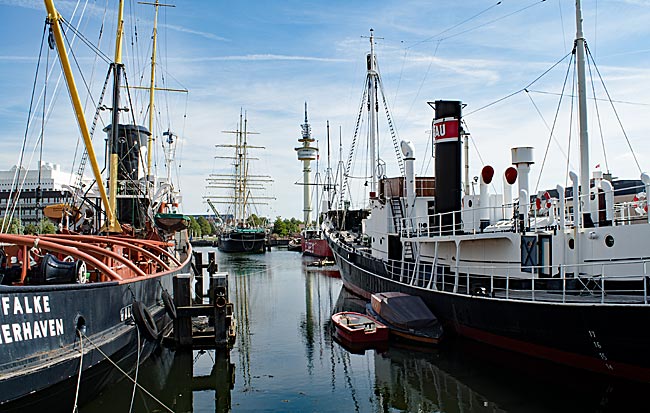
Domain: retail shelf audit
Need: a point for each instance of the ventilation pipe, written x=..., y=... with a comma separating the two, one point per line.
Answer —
x=509, y=178
x=608, y=189
x=487, y=173
x=522, y=158
x=409, y=160
x=645, y=178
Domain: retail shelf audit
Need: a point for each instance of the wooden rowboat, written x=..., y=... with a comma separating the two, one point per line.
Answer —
x=359, y=328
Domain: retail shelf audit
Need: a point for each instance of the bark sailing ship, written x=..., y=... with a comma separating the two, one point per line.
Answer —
x=562, y=276
x=240, y=228
x=77, y=304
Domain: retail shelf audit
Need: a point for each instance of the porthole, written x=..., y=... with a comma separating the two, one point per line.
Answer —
x=609, y=241
x=571, y=243
x=469, y=203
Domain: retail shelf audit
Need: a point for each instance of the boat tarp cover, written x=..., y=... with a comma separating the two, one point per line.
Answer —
x=406, y=311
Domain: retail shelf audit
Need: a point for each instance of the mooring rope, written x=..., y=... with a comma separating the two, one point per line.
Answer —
x=137, y=367
x=81, y=359
x=126, y=375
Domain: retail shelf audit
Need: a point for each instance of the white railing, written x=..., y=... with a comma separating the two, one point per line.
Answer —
x=506, y=282
x=451, y=223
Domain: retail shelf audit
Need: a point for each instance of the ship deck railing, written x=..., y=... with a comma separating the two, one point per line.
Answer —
x=571, y=284
x=627, y=210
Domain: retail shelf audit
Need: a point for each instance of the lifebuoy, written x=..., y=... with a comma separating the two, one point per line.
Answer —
x=168, y=302
x=81, y=272
x=144, y=320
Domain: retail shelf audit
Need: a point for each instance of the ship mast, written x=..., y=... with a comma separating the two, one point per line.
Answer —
x=118, y=67
x=152, y=84
x=372, y=113
x=328, y=187
x=240, y=181
x=54, y=17
x=582, y=111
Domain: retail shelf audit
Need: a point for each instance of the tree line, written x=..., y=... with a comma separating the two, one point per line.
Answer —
x=282, y=227
x=199, y=226
x=45, y=226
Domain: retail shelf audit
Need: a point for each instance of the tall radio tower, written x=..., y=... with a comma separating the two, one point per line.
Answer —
x=306, y=154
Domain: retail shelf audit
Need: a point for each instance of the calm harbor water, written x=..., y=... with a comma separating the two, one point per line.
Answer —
x=285, y=360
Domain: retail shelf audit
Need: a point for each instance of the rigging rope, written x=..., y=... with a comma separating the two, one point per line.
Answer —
x=91, y=46
x=83, y=79
x=81, y=359
x=454, y=26
x=393, y=132
x=573, y=88
x=137, y=368
x=552, y=129
x=147, y=392
x=11, y=203
x=520, y=90
x=614, y=109
x=494, y=20
x=354, y=143
x=600, y=126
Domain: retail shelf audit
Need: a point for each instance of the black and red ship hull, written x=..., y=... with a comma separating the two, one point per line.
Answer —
x=316, y=247
x=609, y=339
x=40, y=347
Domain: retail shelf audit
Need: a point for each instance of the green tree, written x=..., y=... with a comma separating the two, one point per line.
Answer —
x=46, y=227
x=279, y=227
x=195, y=228
x=204, y=225
x=14, y=226
x=213, y=228
x=293, y=225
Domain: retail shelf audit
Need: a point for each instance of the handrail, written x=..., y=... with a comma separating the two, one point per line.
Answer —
x=625, y=213
x=131, y=244
x=27, y=240
x=589, y=289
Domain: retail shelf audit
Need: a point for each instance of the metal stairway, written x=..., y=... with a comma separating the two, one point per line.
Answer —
x=398, y=214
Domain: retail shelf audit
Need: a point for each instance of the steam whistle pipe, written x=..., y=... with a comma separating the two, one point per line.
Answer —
x=409, y=160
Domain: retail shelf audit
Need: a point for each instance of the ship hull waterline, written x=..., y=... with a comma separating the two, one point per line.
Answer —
x=249, y=242
x=607, y=339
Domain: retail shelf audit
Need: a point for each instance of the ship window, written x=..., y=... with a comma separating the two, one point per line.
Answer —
x=571, y=243
x=469, y=203
x=609, y=241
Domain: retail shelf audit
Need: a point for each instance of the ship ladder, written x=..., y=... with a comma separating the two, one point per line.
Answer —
x=407, y=246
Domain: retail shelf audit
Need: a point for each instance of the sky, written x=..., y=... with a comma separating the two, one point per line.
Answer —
x=268, y=58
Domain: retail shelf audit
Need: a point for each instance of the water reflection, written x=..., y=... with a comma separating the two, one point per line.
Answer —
x=178, y=381
x=286, y=359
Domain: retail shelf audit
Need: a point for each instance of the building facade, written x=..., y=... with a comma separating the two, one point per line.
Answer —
x=54, y=188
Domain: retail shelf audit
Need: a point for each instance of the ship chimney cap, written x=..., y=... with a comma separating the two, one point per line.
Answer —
x=522, y=155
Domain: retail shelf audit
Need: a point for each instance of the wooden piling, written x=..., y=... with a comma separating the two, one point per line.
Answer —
x=182, y=298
